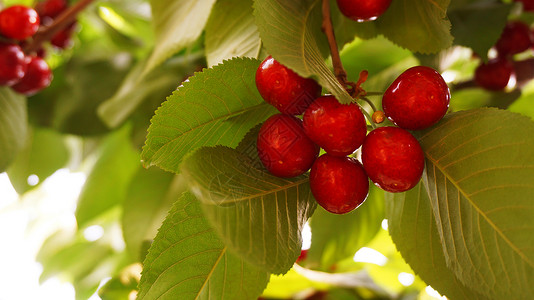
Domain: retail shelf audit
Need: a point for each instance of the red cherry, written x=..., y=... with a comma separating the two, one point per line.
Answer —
x=12, y=64
x=337, y=128
x=284, y=89
x=393, y=159
x=62, y=39
x=302, y=256
x=339, y=184
x=495, y=74
x=515, y=38
x=417, y=99
x=50, y=8
x=19, y=22
x=283, y=147
x=363, y=10
x=528, y=5
x=38, y=76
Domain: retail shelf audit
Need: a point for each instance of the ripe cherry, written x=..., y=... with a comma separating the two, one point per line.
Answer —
x=339, y=184
x=284, y=89
x=337, y=128
x=19, y=22
x=283, y=147
x=495, y=74
x=393, y=159
x=37, y=77
x=12, y=64
x=417, y=99
x=50, y=8
x=363, y=10
x=515, y=38
x=62, y=39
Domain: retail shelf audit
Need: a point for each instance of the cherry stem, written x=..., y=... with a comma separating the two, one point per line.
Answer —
x=374, y=93
x=66, y=18
x=328, y=30
x=369, y=102
x=369, y=117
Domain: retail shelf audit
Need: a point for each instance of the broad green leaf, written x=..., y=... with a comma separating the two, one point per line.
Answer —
x=231, y=32
x=106, y=185
x=480, y=179
x=44, y=153
x=150, y=195
x=13, y=125
x=177, y=24
x=188, y=261
x=413, y=229
x=359, y=228
x=479, y=25
x=258, y=215
x=123, y=285
x=215, y=107
x=291, y=33
x=418, y=25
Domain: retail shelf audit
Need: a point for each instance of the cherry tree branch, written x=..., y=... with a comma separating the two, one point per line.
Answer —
x=66, y=18
x=328, y=30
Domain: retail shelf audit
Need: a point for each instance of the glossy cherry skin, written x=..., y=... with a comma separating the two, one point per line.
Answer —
x=528, y=5
x=393, y=159
x=284, y=89
x=495, y=74
x=37, y=77
x=515, y=38
x=337, y=128
x=283, y=147
x=417, y=99
x=363, y=10
x=12, y=64
x=339, y=184
x=19, y=22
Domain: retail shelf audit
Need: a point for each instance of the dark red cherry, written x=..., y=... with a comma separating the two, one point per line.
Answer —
x=337, y=128
x=50, y=8
x=339, y=184
x=393, y=159
x=18, y=22
x=284, y=89
x=528, y=5
x=283, y=147
x=37, y=77
x=495, y=74
x=363, y=10
x=417, y=99
x=12, y=64
x=63, y=39
x=515, y=38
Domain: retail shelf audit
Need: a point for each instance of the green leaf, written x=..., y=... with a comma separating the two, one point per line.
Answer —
x=231, y=32
x=359, y=228
x=106, y=185
x=44, y=153
x=216, y=107
x=13, y=125
x=258, y=215
x=412, y=227
x=150, y=195
x=418, y=25
x=480, y=179
x=188, y=261
x=177, y=24
x=291, y=33
x=479, y=25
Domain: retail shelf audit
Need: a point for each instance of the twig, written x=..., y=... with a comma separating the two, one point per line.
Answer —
x=328, y=30
x=66, y=18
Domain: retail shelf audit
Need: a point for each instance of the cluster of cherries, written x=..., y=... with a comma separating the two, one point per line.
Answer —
x=516, y=38
x=391, y=157
x=28, y=73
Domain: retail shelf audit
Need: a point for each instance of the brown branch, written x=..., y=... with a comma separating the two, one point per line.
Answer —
x=328, y=30
x=66, y=18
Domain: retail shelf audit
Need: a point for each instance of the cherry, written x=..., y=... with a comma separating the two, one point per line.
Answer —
x=417, y=99
x=283, y=147
x=495, y=74
x=337, y=128
x=38, y=76
x=19, y=22
x=393, y=159
x=339, y=184
x=363, y=10
x=528, y=5
x=62, y=39
x=12, y=64
x=284, y=89
x=515, y=38
x=50, y=8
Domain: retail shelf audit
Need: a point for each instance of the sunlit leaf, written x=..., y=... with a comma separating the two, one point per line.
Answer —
x=13, y=125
